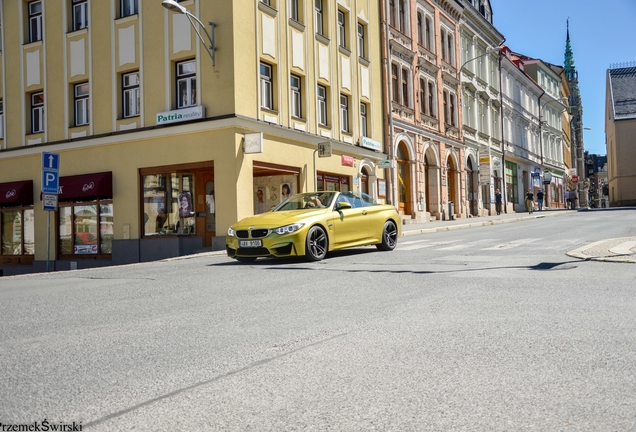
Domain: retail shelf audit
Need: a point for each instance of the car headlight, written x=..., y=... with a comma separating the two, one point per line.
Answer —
x=288, y=229
x=231, y=232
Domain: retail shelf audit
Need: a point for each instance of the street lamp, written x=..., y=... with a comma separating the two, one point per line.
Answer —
x=173, y=6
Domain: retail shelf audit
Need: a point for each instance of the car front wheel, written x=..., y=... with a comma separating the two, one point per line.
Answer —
x=389, y=237
x=316, y=244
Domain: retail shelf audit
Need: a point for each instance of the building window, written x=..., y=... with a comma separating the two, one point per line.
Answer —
x=267, y=91
x=80, y=14
x=446, y=116
x=344, y=113
x=394, y=83
x=37, y=112
x=18, y=232
x=86, y=228
x=342, y=29
x=392, y=13
x=420, y=29
x=402, y=13
x=130, y=97
x=422, y=96
x=296, y=110
x=452, y=110
x=322, y=105
x=293, y=10
x=429, y=32
x=431, y=111
x=319, y=11
x=35, y=21
x=128, y=7
x=168, y=203
x=265, y=2
x=363, y=120
x=405, y=88
x=82, y=102
x=186, y=84
x=361, y=41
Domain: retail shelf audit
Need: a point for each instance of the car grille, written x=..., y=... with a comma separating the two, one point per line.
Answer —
x=256, y=233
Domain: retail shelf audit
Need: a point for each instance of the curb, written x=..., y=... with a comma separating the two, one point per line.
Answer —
x=580, y=253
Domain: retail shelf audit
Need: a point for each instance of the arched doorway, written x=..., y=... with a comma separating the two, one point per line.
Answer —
x=451, y=186
x=473, y=196
x=431, y=182
x=403, y=180
x=364, y=181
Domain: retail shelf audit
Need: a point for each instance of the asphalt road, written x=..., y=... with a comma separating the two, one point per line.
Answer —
x=485, y=329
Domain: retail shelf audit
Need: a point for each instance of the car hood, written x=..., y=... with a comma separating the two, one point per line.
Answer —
x=277, y=219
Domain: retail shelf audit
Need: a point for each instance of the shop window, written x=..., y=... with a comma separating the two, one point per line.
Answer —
x=186, y=84
x=168, y=204
x=35, y=21
x=86, y=228
x=80, y=14
x=18, y=233
x=332, y=182
x=82, y=104
x=130, y=96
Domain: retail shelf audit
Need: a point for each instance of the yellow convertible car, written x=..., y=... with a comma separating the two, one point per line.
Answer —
x=312, y=224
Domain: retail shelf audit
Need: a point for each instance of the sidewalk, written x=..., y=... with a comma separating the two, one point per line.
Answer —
x=622, y=250
x=463, y=223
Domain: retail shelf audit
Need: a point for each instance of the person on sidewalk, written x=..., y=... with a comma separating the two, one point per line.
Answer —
x=567, y=199
x=540, y=199
x=498, y=201
x=529, y=201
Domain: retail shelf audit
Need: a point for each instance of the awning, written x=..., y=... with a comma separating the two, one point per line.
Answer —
x=16, y=193
x=85, y=186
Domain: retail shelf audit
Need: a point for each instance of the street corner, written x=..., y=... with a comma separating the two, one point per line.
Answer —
x=620, y=250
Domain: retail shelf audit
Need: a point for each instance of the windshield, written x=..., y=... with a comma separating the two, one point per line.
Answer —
x=306, y=201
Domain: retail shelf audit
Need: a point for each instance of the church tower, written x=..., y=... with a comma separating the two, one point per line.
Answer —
x=576, y=111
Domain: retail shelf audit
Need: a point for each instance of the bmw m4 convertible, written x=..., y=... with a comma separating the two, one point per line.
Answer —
x=312, y=224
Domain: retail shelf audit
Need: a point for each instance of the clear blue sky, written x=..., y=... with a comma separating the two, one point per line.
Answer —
x=601, y=33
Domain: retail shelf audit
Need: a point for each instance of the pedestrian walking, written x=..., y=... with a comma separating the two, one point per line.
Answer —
x=498, y=201
x=540, y=200
x=567, y=199
x=529, y=201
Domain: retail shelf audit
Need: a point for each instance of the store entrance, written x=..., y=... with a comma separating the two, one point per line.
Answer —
x=205, y=206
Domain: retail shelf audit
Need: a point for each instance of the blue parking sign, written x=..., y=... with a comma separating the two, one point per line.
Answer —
x=50, y=181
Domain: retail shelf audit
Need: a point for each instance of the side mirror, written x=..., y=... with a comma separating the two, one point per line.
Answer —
x=343, y=205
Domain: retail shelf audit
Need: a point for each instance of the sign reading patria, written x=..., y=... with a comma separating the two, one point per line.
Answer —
x=181, y=115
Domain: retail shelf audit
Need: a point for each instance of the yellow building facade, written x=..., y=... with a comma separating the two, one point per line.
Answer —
x=163, y=146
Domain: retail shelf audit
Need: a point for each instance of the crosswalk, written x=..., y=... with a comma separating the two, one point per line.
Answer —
x=484, y=244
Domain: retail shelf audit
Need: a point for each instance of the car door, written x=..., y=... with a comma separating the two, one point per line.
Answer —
x=349, y=225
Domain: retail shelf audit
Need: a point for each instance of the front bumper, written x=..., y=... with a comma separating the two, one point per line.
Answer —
x=272, y=246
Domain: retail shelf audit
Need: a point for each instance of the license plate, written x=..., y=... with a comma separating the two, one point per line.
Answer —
x=250, y=243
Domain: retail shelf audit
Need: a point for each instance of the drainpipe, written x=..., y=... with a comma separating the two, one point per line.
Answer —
x=388, y=98
x=504, y=189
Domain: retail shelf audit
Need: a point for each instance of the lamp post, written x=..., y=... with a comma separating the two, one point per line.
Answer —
x=173, y=6
x=541, y=123
x=489, y=51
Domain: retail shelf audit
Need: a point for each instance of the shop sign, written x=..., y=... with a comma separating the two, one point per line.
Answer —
x=484, y=168
x=370, y=144
x=182, y=115
x=253, y=143
x=388, y=163
x=348, y=160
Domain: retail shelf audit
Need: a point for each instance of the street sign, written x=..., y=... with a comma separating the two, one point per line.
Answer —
x=51, y=161
x=385, y=164
x=575, y=179
x=50, y=181
x=49, y=202
x=324, y=149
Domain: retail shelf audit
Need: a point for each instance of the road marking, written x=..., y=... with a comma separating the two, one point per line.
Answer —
x=422, y=246
x=414, y=241
x=463, y=246
x=513, y=244
x=623, y=248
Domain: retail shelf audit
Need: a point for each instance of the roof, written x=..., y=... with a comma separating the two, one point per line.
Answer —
x=623, y=86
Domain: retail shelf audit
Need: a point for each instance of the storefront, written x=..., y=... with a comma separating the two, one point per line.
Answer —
x=17, y=221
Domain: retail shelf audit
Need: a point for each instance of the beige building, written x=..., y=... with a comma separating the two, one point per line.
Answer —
x=620, y=135
x=164, y=142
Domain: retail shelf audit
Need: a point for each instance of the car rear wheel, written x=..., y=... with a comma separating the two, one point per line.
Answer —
x=316, y=244
x=389, y=237
x=246, y=259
